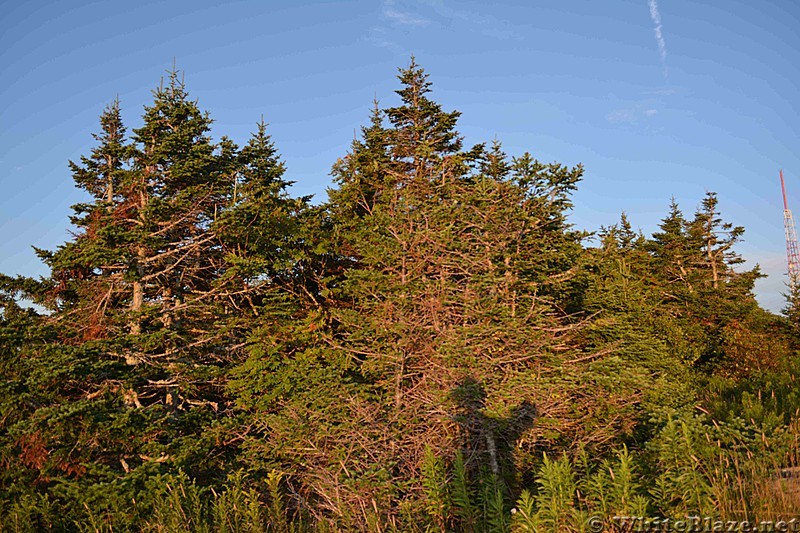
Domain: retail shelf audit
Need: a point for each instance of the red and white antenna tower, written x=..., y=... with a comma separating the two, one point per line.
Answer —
x=792, y=254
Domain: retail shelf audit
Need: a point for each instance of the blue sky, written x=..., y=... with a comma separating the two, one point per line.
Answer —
x=704, y=103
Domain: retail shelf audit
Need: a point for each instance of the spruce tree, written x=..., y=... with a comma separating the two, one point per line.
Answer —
x=631, y=319
x=148, y=307
x=456, y=264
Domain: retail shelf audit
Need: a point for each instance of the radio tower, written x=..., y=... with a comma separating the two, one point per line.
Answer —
x=792, y=254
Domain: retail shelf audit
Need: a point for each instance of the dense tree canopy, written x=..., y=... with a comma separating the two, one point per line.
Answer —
x=430, y=347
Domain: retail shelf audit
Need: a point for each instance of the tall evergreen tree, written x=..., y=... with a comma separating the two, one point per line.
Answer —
x=397, y=358
x=178, y=246
x=632, y=317
x=88, y=273
x=671, y=250
x=456, y=264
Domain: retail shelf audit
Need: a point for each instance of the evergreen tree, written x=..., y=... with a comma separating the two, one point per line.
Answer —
x=88, y=274
x=210, y=353
x=455, y=263
x=671, y=249
x=147, y=307
x=635, y=326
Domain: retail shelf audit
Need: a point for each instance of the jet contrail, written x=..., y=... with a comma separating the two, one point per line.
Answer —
x=662, y=46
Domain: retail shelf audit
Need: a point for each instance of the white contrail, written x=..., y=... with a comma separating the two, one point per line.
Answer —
x=662, y=46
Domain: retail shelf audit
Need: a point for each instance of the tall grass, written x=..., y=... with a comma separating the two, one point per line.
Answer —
x=728, y=470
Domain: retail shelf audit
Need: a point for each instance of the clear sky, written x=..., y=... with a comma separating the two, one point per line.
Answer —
x=657, y=100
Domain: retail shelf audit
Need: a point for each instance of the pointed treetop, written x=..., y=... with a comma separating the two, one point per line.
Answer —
x=177, y=150
x=494, y=163
x=674, y=224
x=176, y=88
x=99, y=173
x=421, y=130
x=111, y=123
x=415, y=83
x=261, y=160
x=627, y=236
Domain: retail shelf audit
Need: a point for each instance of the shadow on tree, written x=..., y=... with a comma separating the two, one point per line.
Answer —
x=489, y=441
